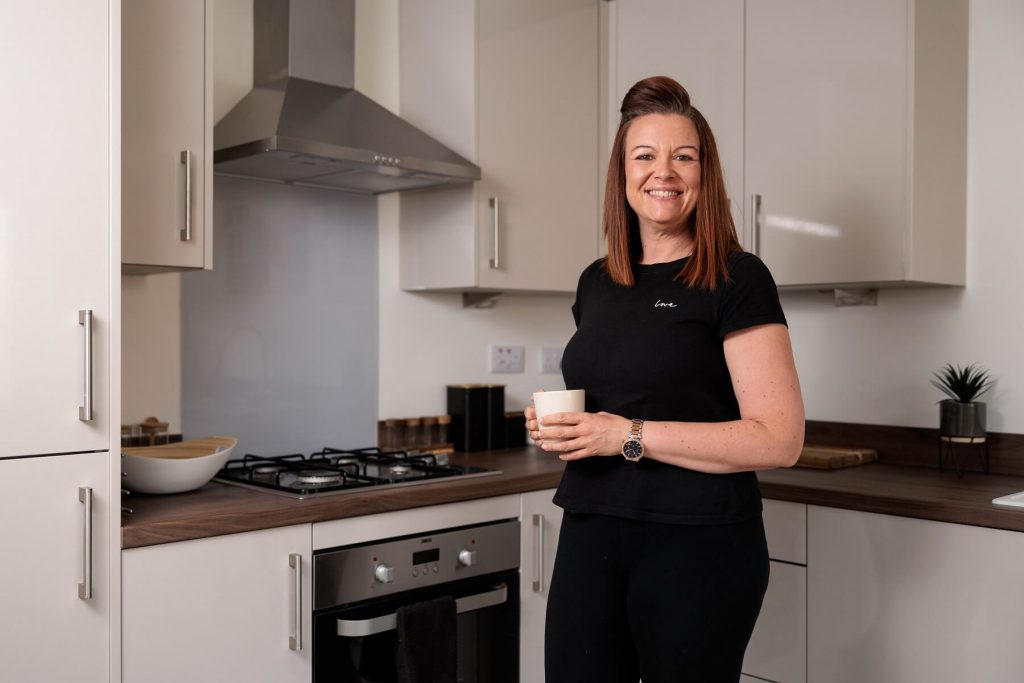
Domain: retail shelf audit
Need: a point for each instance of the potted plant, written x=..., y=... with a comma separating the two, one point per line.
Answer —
x=961, y=415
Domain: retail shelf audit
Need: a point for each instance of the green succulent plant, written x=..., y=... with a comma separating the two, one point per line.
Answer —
x=963, y=385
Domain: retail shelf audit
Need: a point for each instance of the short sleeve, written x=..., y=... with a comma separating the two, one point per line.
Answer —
x=749, y=297
x=586, y=277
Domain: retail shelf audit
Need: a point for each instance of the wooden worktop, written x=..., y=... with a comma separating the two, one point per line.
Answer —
x=218, y=509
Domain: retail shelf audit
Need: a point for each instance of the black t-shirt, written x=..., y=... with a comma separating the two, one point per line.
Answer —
x=654, y=351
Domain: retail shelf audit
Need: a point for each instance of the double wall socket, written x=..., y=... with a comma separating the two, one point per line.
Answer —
x=507, y=359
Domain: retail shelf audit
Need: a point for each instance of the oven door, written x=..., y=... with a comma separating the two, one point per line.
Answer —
x=357, y=643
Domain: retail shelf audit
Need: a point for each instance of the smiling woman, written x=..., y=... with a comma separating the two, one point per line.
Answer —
x=682, y=349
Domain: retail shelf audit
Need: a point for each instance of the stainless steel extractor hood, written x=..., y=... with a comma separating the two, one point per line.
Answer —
x=303, y=122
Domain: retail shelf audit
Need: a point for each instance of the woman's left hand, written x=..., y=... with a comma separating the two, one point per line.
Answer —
x=581, y=435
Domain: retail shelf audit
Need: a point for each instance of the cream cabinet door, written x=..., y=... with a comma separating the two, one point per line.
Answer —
x=54, y=625
x=218, y=609
x=827, y=139
x=907, y=600
x=540, y=521
x=167, y=134
x=514, y=87
x=55, y=227
x=538, y=77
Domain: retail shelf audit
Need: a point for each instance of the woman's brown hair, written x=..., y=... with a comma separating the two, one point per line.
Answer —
x=714, y=235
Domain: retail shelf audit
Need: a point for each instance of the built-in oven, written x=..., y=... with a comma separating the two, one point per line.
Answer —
x=359, y=590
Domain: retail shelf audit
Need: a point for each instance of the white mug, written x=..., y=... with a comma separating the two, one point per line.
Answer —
x=566, y=401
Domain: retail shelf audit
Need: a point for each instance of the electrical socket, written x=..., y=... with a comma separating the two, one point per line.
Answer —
x=551, y=360
x=507, y=359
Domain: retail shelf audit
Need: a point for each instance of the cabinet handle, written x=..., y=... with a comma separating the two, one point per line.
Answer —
x=186, y=160
x=85, y=588
x=295, y=640
x=755, y=224
x=496, y=258
x=85, y=410
x=538, y=541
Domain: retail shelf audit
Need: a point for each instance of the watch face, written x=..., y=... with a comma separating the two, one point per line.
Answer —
x=632, y=449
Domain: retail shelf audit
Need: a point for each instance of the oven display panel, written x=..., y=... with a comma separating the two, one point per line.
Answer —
x=424, y=556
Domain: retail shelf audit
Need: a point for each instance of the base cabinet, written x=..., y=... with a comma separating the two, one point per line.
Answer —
x=540, y=521
x=907, y=600
x=55, y=620
x=219, y=609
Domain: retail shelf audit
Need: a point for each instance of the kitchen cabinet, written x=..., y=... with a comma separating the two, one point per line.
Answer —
x=55, y=578
x=56, y=229
x=514, y=88
x=540, y=521
x=856, y=140
x=841, y=126
x=167, y=129
x=898, y=600
x=219, y=609
x=778, y=647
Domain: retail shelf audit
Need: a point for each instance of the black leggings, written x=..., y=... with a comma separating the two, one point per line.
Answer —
x=670, y=603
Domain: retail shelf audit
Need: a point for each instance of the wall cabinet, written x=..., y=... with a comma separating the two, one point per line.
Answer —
x=218, y=609
x=55, y=578
x=778, y=648
x=898, y=600
x=167, y=129
x=540, y=521
x=513, y=87
x=841, y=126
x=856, y=140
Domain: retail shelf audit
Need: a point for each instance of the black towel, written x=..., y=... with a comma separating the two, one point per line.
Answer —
x=426, y=647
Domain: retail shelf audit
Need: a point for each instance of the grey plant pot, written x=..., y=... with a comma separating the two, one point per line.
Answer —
x=961, y=419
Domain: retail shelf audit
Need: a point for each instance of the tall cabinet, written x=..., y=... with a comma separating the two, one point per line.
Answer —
x=60, y=310
x=513, y=87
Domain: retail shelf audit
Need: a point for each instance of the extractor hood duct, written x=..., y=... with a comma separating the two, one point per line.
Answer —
x=303, y=122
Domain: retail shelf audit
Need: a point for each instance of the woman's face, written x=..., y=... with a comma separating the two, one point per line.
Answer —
x=662, y=170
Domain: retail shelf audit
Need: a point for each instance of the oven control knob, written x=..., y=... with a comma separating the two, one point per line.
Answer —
x=384, y=573
x=467, y=558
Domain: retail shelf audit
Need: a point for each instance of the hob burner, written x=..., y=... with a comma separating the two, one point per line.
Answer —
x=399, y=470
x=318, y=477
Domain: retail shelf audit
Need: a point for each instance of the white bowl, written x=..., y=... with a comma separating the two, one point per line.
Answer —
x=175, y=468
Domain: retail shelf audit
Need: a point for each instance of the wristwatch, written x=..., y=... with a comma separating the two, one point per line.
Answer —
x=633, y=447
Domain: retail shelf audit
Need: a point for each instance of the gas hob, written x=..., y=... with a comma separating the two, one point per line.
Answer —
x=334, y=471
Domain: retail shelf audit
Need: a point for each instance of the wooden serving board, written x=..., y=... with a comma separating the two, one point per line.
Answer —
x=193, y=448
x=832, y=458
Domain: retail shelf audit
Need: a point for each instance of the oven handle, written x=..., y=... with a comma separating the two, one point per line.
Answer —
x=389, y=622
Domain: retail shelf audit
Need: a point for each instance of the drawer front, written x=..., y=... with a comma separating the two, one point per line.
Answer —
x=785, y=525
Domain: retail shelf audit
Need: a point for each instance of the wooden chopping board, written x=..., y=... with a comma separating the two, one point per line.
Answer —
x=833, y=458
x=193, y=448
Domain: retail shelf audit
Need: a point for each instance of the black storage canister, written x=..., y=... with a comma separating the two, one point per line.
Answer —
x=478, y=416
